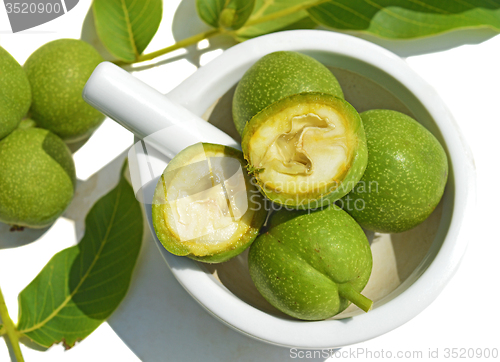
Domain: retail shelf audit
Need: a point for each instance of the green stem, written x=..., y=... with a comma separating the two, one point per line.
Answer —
x=180, y=44
x=10, y=329
x=210, y=33
x=348, y=292
x=282, y=13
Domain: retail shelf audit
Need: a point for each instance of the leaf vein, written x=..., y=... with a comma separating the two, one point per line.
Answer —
x=75, y=291
x=129, y=29
x=96, y=285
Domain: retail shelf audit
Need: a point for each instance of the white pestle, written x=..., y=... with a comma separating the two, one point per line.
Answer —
x=147, y=113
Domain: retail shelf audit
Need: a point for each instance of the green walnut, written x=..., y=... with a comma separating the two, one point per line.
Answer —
x=205, y=206
x=311, y=266
x=37, y=178
x=405, y=177
x=57, y=72
x=306, y=150
x=278, y=75
x=15, y=93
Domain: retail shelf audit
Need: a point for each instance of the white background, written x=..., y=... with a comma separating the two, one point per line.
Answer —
x=158, y=320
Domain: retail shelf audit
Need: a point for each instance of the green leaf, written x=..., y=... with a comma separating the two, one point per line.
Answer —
x=297, y=20
x=254, y=31
x=236, y=13
x=226, y=14
x=403, y=19
x=126, y=27
x=209, y=11
x=82, y=285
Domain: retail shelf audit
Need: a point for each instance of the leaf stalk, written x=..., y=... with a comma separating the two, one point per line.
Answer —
x=10, y=330
x=195, y=39
x=282, y=13
x=210, y=33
